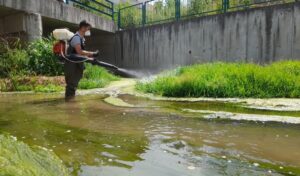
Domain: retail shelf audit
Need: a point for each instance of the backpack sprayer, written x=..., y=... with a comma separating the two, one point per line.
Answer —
x=60, y=48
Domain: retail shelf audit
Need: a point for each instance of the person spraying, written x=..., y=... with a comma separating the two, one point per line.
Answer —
x=70, y=50
x=74, y=70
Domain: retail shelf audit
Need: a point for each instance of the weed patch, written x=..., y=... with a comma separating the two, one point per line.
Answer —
x=280, y=79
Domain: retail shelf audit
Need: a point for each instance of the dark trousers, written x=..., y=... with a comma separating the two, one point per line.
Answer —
x=73, y=74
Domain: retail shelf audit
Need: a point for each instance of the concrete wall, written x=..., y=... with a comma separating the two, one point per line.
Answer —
x=33, y=26
x=27, y=26
x=257, y=35
x=1, y=26
x=104, y=42
x=59, y=11
x=14, y=23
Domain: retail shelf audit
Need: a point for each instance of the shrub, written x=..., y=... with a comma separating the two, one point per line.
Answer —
x=42, y=61
x=281, y=79
x=13, y=62
x=37, y=59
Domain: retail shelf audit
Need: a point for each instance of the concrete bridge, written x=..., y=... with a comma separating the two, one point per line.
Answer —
x=34, y=16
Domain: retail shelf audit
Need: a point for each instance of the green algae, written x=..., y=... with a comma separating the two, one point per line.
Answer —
x=117, y=102
x=18, y=159
x=179, y=106
x=286, y=170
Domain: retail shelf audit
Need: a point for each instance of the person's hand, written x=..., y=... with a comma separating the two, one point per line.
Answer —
x=96, y=53
x=90, y=58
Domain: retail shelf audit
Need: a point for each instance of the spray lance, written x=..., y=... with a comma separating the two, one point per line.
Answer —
x=60, y=49
x=110, y=67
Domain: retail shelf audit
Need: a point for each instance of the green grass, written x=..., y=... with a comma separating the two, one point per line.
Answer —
x=18, y=159
x=48, y=88
x=32, y=83
x=95, y=77
x=280, y=79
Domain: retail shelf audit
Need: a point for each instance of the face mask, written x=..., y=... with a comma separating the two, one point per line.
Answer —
x=88, y=33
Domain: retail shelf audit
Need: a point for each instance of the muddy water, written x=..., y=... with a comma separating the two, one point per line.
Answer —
x=156, y=138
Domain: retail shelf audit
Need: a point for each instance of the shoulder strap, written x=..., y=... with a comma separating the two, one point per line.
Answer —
x=74, y=36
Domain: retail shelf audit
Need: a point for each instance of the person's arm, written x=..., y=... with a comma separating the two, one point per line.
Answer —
x=83, y=52
x=76, y=44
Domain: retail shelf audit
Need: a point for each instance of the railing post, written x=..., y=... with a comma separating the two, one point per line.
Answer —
x=119, y=19
x=144, y=14
x=225, y=5
x=112, y=11
x=177, y=9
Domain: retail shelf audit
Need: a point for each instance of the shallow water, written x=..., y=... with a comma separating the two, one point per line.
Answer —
x=156, y=139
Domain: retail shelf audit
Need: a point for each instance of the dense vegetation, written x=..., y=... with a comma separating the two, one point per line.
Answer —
x=280, y=79
x=18, y=159
x=36, y=68
x=41, y=58
x=36, y=59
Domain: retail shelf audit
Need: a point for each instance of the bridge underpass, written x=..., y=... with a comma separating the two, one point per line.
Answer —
x=100, y=40
x=32, y=19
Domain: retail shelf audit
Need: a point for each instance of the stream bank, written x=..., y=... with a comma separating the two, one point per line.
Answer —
x=286, y=110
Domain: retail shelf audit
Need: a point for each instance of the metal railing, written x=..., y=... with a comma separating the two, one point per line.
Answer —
x=131, y=16
x=159, y=11
x=102, y=7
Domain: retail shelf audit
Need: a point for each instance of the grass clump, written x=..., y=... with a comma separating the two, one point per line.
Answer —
x=280, y=79
x=48, y=88
x=95, y=77
x=18, y=159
